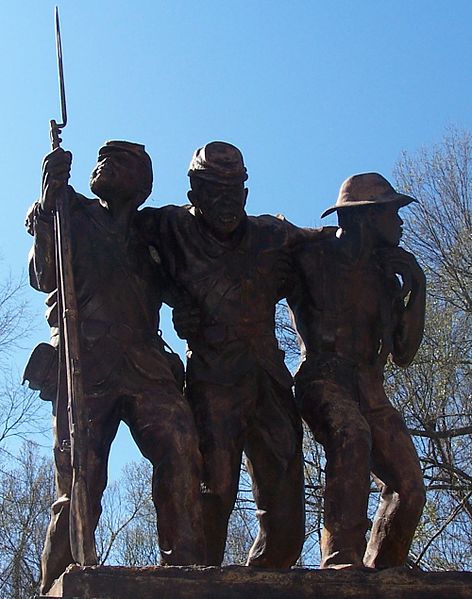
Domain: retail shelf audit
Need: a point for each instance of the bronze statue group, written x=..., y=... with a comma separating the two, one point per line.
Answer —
x=356, y=296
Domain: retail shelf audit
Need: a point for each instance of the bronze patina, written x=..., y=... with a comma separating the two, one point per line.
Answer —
x=360, y=299
x=126, y=375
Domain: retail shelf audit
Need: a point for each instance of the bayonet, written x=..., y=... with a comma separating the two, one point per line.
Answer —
x=56, y=128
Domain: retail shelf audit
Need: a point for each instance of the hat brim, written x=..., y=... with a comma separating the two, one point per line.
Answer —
x=216, y=177
x=399, y=198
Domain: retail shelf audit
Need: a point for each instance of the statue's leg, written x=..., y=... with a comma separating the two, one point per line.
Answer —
x=56, y=555
x=333, y=415
x=103, y=424
x=275, y=463
x=397, y=471
x=220, y=416
x=162, y=425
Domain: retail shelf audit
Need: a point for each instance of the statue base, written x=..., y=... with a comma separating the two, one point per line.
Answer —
x=240, y=582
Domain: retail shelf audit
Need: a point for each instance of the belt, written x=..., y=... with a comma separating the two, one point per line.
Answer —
x=93, y=330
x=221, y=332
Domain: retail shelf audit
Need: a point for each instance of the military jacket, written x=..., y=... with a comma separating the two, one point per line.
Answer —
x=343, y=307
x=118, y=290
x=235, y=285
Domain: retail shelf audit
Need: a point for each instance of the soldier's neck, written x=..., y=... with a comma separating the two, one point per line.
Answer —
x=120, y=212
x=357, y=244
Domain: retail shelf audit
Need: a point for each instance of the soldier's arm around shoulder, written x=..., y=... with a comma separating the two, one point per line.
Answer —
x=147, y=222
x=154, y=224
x=297, y=235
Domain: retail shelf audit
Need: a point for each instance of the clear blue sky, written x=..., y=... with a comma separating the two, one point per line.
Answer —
x=311, y=92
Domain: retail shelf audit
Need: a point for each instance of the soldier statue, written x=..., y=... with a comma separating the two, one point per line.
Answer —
x=126, y=375
x=230, y=269
x=360, y=299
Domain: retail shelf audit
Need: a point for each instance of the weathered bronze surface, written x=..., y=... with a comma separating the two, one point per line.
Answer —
x=126, y=374
x=239, y=582
x=357, y=298
x=229, y=270
x=360, y=299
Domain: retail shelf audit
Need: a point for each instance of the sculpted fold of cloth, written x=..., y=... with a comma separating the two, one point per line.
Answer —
x=359, y=299
x=127, y=376
x=231, y=270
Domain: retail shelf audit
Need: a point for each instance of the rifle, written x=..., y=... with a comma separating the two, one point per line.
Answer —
x=82, y=541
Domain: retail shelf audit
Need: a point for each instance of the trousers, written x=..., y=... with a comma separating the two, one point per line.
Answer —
x=257, y=416
x=162, y=426
x=362, y=434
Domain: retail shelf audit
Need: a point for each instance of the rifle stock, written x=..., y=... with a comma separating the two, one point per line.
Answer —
x=82, y=539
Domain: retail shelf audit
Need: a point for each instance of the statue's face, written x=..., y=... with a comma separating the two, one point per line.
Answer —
x=387, y=225
x=118, y=174
x=221, y=206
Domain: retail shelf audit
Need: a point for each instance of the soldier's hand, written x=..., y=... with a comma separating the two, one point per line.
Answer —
x=284, y=272
x=187, y=319
x=397, y=261
x=55, y=176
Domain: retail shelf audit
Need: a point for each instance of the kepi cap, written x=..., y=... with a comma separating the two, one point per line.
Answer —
x=135, y=149
x=218, y=162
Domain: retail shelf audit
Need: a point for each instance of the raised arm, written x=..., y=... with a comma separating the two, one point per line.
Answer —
x=40, y=221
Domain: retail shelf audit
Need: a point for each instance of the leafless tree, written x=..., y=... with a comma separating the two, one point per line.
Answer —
x=26, y=485
x=26, y=494
x=439, y=228
x=435, y=393
x=21, y=412
x=242, y=527
x=127, y=532
x=15, y=316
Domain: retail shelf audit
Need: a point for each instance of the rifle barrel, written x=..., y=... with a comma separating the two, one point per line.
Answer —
x=81, y=531
x=60, y=70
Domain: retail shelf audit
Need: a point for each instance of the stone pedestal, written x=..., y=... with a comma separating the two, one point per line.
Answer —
x=239, y=582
